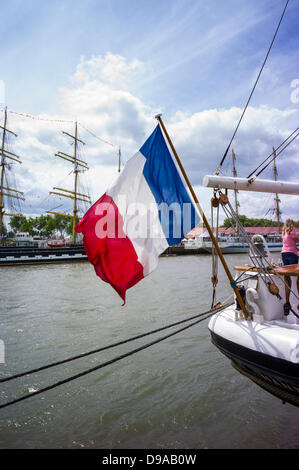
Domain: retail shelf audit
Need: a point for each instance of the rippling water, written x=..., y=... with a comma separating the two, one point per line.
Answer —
x=178, y=394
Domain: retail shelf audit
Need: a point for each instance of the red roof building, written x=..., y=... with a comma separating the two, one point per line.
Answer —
x=198, y=231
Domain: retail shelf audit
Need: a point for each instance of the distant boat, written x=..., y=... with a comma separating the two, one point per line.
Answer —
x=56, y=243
x=193, y=243
x=235, y=244
x=23, y=239
x=230, y=243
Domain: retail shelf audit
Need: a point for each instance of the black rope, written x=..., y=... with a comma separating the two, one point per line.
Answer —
x=103, y=348
x=100, y=366
x=289, y=307
x=252, y=91
x=274, y=152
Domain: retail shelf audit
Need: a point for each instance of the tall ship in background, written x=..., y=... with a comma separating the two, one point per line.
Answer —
x=78, y=166
x=8, y=194
x=28, y=249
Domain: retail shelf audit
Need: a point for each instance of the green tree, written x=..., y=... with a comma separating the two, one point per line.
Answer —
x=4, y=230
x=16, y=223
x=45, y=225
x=61, y=223
x=250, y=222
x=28, y=226
x=50, y=227
x=41, y=222
x=69, y=227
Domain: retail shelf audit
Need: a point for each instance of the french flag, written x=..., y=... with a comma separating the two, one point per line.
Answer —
x=147, y=210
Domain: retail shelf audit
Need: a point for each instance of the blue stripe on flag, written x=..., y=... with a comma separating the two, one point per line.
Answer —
x=176, y=211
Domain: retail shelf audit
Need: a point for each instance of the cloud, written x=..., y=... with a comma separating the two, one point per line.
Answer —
x=203, y=137
x=112, y=69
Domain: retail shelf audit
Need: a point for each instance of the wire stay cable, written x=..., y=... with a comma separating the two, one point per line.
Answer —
x=252, y=91
x=277, y=155
x=273, y=153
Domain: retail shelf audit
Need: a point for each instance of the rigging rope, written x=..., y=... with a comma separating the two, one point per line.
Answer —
x=37, y=118
x=103, y=348
x=214, y=278
x=118, y=358
x=254, y=254
x=259, y=261
x=252, y=91
x=276, y=155
x=97, y=137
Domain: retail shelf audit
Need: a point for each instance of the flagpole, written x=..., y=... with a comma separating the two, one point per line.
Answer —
x=205, y=221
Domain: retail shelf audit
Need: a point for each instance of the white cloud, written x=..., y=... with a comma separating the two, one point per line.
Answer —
x=112, y=69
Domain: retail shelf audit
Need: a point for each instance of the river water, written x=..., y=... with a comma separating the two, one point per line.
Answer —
x=178, y=394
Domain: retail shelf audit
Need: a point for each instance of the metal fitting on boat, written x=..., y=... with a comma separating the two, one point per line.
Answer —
x=242, y=292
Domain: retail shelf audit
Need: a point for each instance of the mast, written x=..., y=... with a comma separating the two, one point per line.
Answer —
x=276, y=199
x=74, y=195
x=235, y=190
x=5, y=190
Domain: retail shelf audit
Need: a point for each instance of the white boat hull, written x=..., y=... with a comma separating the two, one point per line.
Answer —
x=266, y=354
x=264, y=347
x=240, y=248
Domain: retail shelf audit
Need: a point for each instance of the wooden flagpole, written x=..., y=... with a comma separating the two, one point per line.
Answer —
x=204, y=219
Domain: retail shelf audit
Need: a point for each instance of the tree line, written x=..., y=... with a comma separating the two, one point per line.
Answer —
x=44, y=225
x=48, y=225
x=251, y=222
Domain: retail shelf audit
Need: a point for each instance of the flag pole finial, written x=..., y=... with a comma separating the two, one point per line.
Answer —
x=158, y=116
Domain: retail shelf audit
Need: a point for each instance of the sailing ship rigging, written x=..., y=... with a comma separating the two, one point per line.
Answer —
x=234, y=242
x=259, y=333
x=6, y=192
x=261, y=338
x=78, y=166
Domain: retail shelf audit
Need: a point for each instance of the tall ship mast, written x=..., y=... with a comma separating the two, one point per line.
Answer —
x=78, y=166
x=6, y=192
x=235, y=190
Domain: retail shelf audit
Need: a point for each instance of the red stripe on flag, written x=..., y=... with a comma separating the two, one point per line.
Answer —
x=108, y=248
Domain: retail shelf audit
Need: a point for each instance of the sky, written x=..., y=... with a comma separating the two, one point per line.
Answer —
x=112, y=65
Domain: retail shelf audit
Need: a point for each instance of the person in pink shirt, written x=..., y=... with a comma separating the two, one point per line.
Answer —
x=289, y=254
